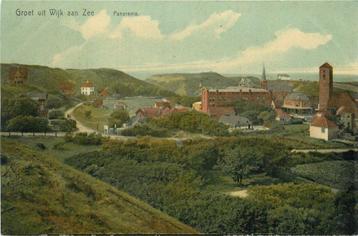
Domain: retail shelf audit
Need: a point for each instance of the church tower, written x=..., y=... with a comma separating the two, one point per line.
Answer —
x=263, y=79
x=325, y=86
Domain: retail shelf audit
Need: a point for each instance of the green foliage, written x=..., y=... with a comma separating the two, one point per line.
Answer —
x=64, y=125
x=302, y=208
x=143, y=130
x=255, y=112
x=186, y=101
x=40, y=195
x=241, y=163
x=55, y=102
x=337, y=174
x=174, y=177
x=18, y=106
x=56, y=114
x=84, y=138
x=118, y=118
x=28, y=124
x=194, y=122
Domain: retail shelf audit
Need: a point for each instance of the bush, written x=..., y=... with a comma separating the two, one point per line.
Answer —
x=84, y=138
x=64, y=125
x=41, y=146
x=143, y=130
x=194, y=122
x=56, y=114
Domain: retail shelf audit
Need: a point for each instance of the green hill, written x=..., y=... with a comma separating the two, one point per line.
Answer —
x=46, y=79
x=41, y=195
x=189, y=83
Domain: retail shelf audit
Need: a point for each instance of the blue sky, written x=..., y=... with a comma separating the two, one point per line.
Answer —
x=226, y=37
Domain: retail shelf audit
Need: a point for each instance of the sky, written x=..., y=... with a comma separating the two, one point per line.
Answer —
x=193, y=36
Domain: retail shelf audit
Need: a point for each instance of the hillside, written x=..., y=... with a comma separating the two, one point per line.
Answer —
x=189, y=83
x=41, y=195
x=41, y=78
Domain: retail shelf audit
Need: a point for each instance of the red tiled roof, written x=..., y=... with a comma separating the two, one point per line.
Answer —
x=326, y=65
x=87, y=84
x=320, y=120
x=104, y=92
x=149, y=112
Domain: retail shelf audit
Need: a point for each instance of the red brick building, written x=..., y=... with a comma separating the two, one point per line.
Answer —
x=218, y=102
x=325, y=86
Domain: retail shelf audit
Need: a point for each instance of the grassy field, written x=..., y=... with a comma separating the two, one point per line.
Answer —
x=97, y=119
x=55, y=146
x=42, y=195
x=336, y=174
x=297, y=136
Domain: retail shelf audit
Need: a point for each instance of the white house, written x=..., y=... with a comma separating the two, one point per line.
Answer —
x=322, y=128
x=87, y=88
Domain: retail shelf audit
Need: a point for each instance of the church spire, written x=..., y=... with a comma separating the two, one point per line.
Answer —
x=263, y=81
x=263, y=72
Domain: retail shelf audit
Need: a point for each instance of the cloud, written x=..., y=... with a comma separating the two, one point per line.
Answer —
x=283, y=42
x=95, y=25
x=217, y=23
x=141, y=26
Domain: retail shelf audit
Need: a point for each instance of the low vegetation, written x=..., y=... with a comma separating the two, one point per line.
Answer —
x=41, y=195
x=185, y=180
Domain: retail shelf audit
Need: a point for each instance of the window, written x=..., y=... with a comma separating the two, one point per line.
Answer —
x=323, y=130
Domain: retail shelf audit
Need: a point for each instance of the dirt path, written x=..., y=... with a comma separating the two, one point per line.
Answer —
x=239, y=193
x=81, y=128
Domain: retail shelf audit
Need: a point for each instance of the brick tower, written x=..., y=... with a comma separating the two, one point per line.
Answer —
x=325, y=86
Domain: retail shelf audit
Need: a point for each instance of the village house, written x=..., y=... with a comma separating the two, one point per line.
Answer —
x=18, y=75
x=323, y=128
x=87, y=88
x=67, y=88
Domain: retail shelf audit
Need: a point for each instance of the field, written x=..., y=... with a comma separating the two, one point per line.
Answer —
x=336, y=174
x=42, y=195
x=96, y=120
x=54, y=146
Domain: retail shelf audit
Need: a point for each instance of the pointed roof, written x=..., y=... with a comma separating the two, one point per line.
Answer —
x=263, y=72
x=326, y=65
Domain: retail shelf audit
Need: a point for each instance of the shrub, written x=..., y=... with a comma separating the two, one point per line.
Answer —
x=86, y=139
x=56, y=114
x=142, y=130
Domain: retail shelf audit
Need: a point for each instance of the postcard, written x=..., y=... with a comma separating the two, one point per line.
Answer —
x=179, y=117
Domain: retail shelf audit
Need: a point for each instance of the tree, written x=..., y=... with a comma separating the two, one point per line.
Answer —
x=118, y=118
x=20, y=106
x=28, y=124
x=240, y=163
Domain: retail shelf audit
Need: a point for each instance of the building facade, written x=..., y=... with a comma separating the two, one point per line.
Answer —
x=87, y=88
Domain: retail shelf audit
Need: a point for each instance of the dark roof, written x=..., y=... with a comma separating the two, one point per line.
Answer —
x=326, y=65
x=297, y=96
